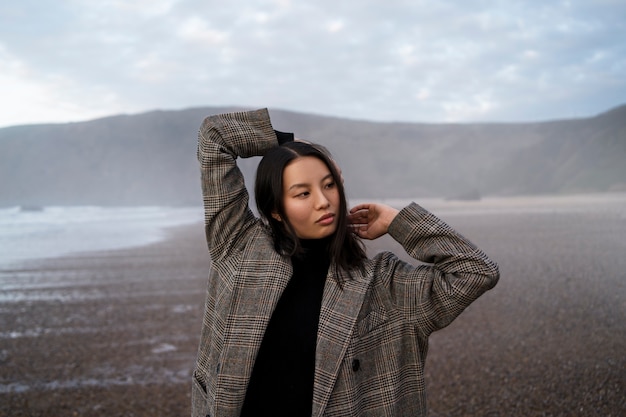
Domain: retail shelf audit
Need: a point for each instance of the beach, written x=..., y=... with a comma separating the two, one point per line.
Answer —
x=115, y=332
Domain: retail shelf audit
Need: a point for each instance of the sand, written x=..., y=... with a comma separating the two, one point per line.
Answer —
x=115, y=333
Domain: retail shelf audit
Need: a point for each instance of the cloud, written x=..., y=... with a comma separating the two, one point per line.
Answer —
x=28, y=96
x=397, y=60
x=199, y=31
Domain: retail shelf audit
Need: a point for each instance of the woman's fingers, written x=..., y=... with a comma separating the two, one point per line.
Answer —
x=358, y=216
x=359, y=207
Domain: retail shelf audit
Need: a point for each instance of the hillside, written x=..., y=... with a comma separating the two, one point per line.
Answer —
x=149, y=158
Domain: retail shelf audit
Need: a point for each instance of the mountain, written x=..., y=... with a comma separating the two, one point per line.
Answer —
x=150, y=158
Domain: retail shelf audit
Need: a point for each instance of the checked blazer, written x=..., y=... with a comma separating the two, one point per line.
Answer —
x=373, y=332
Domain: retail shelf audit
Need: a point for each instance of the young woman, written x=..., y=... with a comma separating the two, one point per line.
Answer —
x=298, y=321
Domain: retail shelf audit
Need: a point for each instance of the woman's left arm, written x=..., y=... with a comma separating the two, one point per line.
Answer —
x=459, y=272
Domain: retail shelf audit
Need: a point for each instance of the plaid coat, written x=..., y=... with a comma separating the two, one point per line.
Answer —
x=373, y=333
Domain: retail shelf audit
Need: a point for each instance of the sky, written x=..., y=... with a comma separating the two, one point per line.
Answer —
x=385, y=60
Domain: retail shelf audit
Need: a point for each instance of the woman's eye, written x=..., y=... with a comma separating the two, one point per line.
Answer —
x=330, y=185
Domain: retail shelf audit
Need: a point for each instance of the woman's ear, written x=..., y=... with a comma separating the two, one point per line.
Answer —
x=276, y=216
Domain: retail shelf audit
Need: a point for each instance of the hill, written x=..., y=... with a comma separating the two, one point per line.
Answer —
x=149, y=158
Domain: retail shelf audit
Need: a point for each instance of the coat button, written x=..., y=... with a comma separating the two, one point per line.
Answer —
x=356, y=365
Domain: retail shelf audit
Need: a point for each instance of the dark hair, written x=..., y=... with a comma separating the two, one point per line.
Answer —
x=345, y=249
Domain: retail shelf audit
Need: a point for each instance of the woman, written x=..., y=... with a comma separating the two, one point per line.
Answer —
x=298, y=321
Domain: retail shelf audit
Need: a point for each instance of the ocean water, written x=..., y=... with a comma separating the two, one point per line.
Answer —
x=49, y=232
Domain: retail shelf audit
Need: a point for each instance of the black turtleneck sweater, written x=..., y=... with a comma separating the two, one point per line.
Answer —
x=282, y=378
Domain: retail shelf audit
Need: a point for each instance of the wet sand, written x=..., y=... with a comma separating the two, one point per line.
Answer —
x=115, y=333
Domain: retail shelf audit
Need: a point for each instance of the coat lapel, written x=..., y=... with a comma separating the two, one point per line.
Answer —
x=340, y=308
x=254, y=298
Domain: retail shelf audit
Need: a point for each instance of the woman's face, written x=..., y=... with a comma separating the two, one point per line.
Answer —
x=310, y=198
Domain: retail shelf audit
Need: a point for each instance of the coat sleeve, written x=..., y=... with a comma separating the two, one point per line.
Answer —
x=221, y=140
x=456, y=271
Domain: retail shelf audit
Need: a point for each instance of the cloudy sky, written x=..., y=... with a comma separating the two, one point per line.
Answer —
x=385, y=60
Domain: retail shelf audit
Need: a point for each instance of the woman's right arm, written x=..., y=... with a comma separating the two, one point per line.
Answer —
x=221, y=140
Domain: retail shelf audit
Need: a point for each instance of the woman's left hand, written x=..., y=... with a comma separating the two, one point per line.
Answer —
x=371, y=220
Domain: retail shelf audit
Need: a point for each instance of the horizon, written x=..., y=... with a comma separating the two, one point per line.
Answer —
x=271, y=109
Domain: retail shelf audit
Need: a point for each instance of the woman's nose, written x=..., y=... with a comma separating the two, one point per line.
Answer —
x=321, y=201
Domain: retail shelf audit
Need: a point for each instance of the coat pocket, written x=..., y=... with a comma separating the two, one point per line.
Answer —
x=373, y=320
x=199, y=398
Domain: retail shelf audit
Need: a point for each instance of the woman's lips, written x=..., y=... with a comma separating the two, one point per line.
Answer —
x=326, y=219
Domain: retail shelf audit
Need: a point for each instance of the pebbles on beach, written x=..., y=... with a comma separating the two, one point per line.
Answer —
x=116, y=333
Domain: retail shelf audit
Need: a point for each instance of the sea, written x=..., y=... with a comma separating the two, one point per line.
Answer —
x=28, y=233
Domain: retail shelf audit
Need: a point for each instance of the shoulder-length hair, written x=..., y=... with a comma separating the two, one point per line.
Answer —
x=345, y=249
